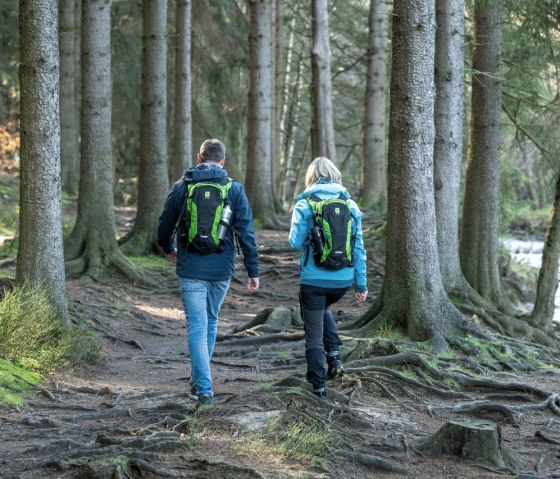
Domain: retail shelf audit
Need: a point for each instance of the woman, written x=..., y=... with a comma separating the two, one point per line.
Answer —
x=320, y=287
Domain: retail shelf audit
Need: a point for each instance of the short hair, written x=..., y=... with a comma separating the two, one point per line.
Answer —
x=212, y=151
x=322, y=168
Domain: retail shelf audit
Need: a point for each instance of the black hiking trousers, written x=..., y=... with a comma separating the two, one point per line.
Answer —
x=321, y=334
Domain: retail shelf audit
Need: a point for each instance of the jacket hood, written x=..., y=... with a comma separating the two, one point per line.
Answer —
x=205, y=172
x=324, y=189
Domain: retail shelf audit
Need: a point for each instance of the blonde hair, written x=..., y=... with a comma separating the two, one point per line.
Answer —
x=322, y=168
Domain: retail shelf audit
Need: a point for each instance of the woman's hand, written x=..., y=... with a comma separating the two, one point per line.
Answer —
x=361, y=296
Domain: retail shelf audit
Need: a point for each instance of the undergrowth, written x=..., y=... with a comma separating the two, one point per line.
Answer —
x=34, y=338
x=302, y=436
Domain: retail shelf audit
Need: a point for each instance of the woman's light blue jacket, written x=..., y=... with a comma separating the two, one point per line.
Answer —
x=302, y=222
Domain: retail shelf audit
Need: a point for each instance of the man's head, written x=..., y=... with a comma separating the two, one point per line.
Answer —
x=212, y=151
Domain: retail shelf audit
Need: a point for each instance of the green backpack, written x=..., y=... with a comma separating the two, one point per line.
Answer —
x=207, y=212
x=332, y=236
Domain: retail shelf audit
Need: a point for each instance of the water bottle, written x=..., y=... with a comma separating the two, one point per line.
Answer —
x=317, y=240
x=224, y=222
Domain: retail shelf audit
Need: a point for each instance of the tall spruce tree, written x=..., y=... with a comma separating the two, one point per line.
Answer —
x=258, y=175
x=40, y=258
x=92, y=245
x=480, y=223
x=153, y=184
x=373, y=190
x=413, y=296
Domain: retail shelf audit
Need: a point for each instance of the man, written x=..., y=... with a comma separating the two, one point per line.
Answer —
x=204, y=278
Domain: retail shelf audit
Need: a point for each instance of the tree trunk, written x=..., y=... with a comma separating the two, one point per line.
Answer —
x=412, y=296
x=448, y=146
x=69, y=143
x=547, y=282
x=479, y=441
x=279, y=90
x=152, y=173
x=479, y=228
x=92, y=246
x=258, y=175
x=373, y=193
x=182, y=157
x=323, y=126
x=40, y=258
x=292, y=107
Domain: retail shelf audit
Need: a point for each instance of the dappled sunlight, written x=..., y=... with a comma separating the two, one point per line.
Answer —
x=154, y=310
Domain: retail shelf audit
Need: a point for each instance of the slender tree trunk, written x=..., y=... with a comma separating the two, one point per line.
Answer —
x=279, y=96
x=152, y=174
x=78, y=74
x=323, y=123
x=92, y=246
x=448, y=147
x=413, y=295
x=373, y=192
x=479, y=228
x=258, y=175
x=291, y=108
x=40, y=258
x=547, y=283
x=182, y=157
x=69, y=144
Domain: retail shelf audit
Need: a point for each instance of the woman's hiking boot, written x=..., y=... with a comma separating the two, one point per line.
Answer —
x=321, y=393
x=204, y=401
x=335, y=369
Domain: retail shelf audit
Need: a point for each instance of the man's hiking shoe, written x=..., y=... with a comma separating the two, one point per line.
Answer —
x=204, y=401
x=335, y=368
x=321, y=393
x=193, y=389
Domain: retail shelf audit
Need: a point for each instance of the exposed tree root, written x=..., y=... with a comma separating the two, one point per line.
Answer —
x=138, y=242
x=371, y=461
x=233, y=341
x=85, y=257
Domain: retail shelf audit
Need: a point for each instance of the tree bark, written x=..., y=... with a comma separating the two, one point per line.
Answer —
x=323, y=123
x=412, y=296
x=479, y=228
x=40, y=257
x=547, y=282
x=92, y=245
x=373, y=192
x=279, y=96
x=258, y=174
x=69, y=143
x=182, y=157
x=448, y=146
x=479, y=441
x=152, y=173
x=292, y=108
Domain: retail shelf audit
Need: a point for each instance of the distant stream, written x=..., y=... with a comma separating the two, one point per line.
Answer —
x=530, y=253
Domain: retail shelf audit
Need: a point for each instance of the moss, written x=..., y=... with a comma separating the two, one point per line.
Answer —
x=14, y=382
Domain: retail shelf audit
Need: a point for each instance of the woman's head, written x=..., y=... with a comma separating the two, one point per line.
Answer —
x=319, y=169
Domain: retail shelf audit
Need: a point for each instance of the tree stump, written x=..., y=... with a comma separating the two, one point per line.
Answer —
x=479, y=441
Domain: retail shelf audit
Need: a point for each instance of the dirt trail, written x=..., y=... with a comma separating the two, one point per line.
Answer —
x=130, y=414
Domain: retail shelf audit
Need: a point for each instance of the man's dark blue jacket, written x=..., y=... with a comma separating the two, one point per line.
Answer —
x=214, y=266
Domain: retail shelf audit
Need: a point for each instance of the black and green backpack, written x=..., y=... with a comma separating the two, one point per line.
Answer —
x=205, y=202
x=332, y=236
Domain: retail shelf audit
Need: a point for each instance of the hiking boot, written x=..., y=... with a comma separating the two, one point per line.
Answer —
x=204, y=401
x=193, y=389
x=335, y=369
x=321, y=393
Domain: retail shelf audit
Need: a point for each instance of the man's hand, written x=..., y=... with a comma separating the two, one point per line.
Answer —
x=172, y=257
x=361, y=296
x=252, y=285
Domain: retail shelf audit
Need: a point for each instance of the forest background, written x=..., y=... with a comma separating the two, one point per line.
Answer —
x=141, y=83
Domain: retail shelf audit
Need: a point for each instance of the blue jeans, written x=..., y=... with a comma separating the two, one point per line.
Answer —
x=202, y=301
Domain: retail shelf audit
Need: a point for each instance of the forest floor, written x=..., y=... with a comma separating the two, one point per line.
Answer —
x=131, y=415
